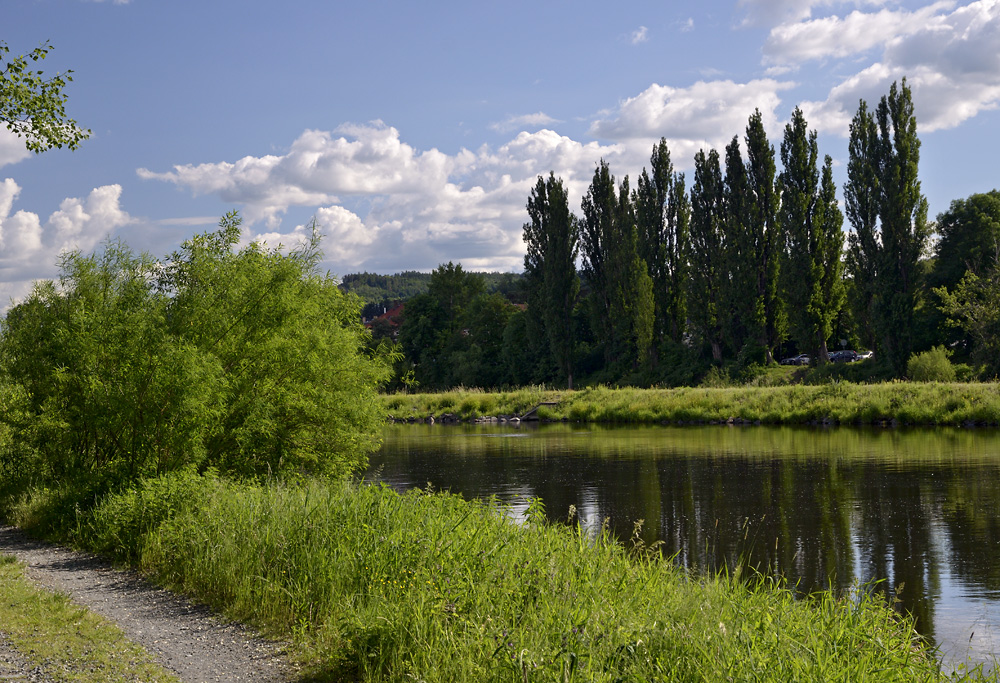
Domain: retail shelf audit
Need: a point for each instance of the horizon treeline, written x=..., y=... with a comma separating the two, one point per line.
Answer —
x=742, y=263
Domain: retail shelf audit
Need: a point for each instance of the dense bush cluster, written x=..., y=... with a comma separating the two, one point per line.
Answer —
x=246, y=360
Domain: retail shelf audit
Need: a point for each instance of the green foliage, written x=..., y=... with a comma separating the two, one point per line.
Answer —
x=709, y=276
x=552, y=241
x=384, y=289
x=772, y=394
x=663, y=215
x=811, y=222
x=969, y=238
x=884, y=256
x=931, y=366
x=32, y=106
x=454, y=334
x=370, y=584
x=621, y=297
x=974, y=306
x=246, y=360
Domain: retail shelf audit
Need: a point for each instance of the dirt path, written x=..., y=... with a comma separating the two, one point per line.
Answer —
x=188, y=639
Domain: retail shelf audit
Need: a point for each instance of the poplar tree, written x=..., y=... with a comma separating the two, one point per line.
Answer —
x=743, y=314
x=811, y=223
x=662, y=217
x=892, y=158
x=861, y=204
x=621, y=289
x=708, y=268
x=552, y=245
x=763, y=213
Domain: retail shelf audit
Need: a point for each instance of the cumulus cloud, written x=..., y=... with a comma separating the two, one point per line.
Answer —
x=706, y=114
x=951, y=63
x=29, y=249
x=640, y=35
x=536, y=120
x=423, y=207
x=857, y=32
x=12, y=149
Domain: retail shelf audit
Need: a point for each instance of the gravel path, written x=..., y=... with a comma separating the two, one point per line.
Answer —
x=188, y=639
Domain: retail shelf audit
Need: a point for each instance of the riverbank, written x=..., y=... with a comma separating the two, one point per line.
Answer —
x=370, y=584
x=888, y=404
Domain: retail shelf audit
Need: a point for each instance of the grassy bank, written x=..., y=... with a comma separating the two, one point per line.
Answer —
x=374, y=585
x=912, y=403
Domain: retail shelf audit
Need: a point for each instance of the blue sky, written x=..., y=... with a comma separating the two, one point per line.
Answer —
x=414, y=131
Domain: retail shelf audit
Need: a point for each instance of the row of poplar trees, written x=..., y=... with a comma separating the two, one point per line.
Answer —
x=748, y=258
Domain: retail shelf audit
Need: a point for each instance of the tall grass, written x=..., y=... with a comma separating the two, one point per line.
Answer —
x=930, y=403
x=374, y=585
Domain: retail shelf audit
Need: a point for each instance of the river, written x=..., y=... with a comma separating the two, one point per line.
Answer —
x=917, y=511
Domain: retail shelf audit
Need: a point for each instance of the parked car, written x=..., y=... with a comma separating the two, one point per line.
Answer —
x=843, y=356
x=801, y=359
x=866, y=355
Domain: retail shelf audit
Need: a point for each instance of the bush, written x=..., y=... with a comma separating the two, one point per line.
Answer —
x=246, y=360
x=931, y=366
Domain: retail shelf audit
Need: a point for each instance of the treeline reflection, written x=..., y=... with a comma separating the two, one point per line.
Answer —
x=916, y=510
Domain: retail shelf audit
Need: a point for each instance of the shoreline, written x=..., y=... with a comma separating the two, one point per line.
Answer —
x=888, y=405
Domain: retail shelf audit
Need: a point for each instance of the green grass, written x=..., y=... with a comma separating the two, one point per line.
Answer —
x=914, y=403
x=373, y=585
x=67, y=642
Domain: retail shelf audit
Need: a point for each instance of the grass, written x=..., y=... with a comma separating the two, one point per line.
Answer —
x=373, y=585
x=912, y=403
x=67, y=642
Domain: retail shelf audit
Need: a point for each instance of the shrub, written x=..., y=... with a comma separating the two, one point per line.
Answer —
x=247, y=360
x=931, y=366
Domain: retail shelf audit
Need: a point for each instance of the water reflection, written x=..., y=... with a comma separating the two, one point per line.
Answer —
x=916, y=510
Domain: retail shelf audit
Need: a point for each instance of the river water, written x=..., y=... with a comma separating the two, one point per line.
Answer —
x=917, y=511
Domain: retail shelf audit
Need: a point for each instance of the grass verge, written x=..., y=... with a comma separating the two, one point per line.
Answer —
x=373, y=585
x=67, y=642
x=910, y=403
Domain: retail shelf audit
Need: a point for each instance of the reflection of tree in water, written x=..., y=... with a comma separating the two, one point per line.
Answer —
x=894, y=531
x=821, y=508
x=971, y=512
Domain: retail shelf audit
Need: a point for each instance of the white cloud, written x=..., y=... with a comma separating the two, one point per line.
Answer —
x=536, y=120
x=425, y=207
x=688, y=25
x=640, y=35
x=29, y=249
x=841, y=37
x=12, y=149
x=707, y=114
x=952, y=65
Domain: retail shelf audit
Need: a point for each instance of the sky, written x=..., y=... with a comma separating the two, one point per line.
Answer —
x=413, y=132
